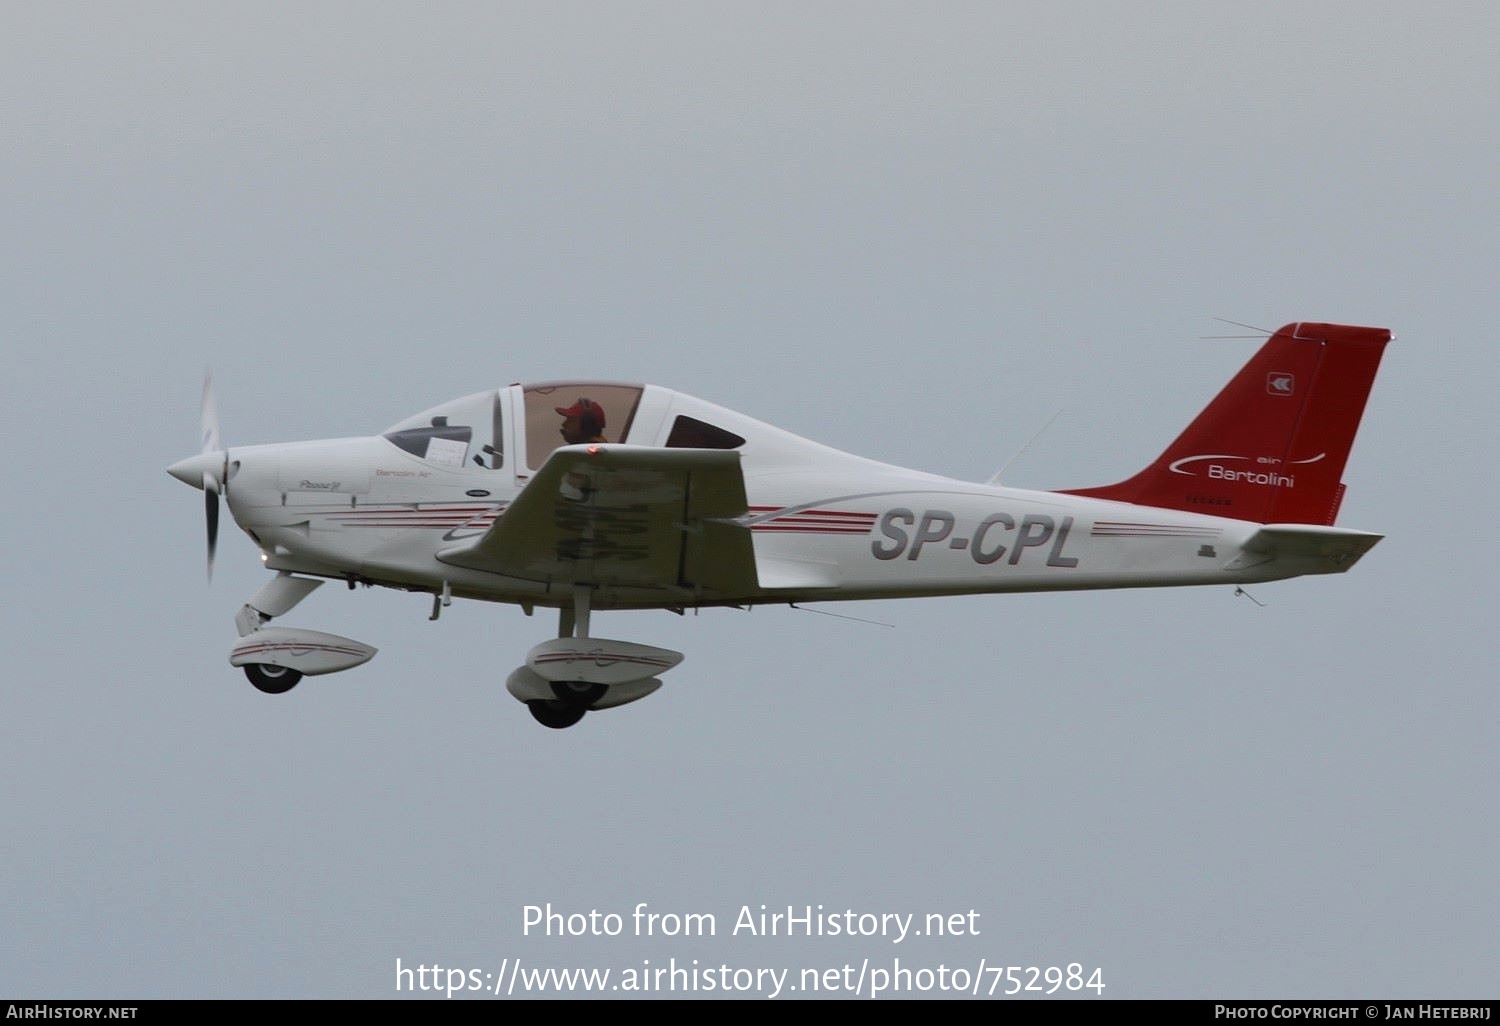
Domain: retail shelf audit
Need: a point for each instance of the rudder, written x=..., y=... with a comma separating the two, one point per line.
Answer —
x=1272, y=446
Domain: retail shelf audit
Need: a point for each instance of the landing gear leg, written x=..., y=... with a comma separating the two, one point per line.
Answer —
x=582, y=595
x=573, y=620
x=275, y=598
x=573, y=696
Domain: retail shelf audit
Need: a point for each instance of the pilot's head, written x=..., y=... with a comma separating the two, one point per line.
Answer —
x=582, y=422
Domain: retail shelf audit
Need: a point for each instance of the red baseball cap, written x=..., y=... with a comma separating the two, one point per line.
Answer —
x=582, y=406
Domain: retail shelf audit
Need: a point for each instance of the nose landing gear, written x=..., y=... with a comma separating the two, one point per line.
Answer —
x=275, y=659
x=273, y=680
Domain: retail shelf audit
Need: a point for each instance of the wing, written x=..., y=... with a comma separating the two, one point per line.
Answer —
x=624, y=515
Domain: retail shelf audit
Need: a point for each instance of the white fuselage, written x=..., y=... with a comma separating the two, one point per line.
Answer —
x=825, y=524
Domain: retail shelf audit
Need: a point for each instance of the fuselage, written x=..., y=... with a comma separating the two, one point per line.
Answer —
x=825, y=524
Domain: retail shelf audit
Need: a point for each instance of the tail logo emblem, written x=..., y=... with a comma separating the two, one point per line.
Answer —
x=1268, y=475
x=1280, y=383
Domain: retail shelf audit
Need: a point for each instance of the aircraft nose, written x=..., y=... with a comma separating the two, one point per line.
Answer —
x=191, y=470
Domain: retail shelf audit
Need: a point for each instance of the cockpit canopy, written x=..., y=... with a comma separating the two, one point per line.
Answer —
x=474, y=431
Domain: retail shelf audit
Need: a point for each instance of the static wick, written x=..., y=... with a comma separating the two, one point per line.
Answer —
x=1241, y=591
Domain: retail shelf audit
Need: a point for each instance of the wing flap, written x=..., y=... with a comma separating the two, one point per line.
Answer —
x=631, y=516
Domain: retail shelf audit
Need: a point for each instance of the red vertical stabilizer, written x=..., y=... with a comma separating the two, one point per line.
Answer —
x=1272, y=445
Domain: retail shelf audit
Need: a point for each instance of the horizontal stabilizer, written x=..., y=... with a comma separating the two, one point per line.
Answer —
x=1310, y=548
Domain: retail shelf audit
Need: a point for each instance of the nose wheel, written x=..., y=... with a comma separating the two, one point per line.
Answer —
x=273, y=680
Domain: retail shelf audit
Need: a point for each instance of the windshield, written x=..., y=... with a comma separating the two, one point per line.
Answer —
x=463, y=433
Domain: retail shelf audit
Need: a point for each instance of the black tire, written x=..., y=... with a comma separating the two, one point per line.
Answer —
x=273, y=680
x=556, y=714
x=578, y=692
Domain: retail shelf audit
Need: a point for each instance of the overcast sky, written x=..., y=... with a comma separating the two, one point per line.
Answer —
x=913, y=231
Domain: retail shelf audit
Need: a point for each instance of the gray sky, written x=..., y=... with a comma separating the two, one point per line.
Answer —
x=862, y=223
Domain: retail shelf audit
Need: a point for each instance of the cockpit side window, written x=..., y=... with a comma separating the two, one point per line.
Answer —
x=442, y=443
x=691, y=433
x=575, y=412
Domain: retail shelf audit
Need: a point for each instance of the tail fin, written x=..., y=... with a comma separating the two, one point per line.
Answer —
x=1271, y=447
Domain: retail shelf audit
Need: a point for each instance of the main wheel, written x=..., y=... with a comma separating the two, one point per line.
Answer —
x=273, y=680
x=555, y=714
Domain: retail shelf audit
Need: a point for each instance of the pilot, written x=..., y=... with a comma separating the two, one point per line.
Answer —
x=582, y=422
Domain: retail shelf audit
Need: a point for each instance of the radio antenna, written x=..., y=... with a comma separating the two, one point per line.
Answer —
x=841, y=616
x=1225, y=320
x=995, y=478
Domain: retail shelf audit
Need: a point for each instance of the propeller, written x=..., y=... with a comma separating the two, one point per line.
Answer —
x=209, y=470
x=211, y=514
x=209, y=420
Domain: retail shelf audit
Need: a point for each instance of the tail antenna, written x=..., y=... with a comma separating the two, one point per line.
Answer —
x=1264, y=332
x=995, y=477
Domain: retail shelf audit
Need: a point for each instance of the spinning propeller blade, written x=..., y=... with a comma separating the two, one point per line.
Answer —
x=218, y=478
x=211, y=510
x=209, y=416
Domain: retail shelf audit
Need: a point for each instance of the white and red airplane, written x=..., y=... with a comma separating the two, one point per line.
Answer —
x=586, y=495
